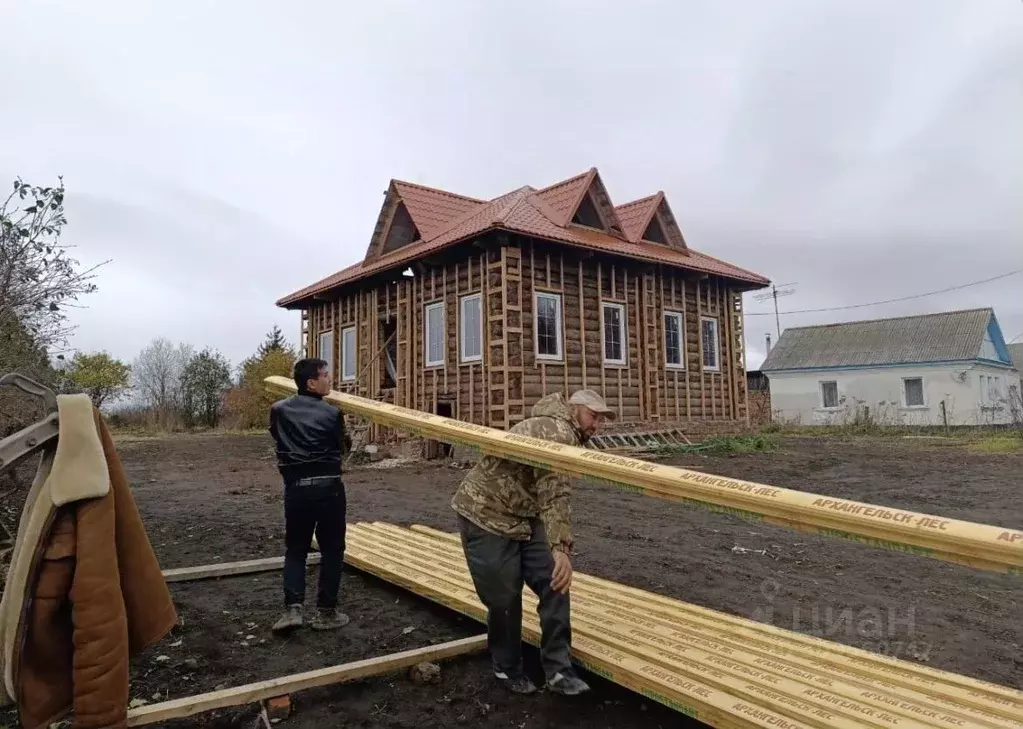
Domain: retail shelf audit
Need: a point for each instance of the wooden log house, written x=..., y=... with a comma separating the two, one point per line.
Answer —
x=475, y=309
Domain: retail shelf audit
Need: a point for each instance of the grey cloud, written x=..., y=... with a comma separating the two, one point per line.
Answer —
x=866, y=150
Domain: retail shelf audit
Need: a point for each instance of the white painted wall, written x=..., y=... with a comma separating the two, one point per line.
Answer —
x=973, y=394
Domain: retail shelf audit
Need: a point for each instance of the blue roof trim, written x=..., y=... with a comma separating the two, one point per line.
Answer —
x=834, y=368
x=995, y=332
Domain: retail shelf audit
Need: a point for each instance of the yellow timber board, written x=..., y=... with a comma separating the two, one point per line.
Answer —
x=976, y=545
x=701, y=662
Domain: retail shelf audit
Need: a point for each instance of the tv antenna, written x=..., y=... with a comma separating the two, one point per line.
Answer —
x=775, y=293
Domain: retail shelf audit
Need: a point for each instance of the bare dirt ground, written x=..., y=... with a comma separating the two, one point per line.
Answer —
x=217, y=498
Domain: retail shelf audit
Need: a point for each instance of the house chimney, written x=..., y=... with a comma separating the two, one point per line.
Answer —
x=768, y=338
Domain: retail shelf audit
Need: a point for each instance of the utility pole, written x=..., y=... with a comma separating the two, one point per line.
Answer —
x=775, y=293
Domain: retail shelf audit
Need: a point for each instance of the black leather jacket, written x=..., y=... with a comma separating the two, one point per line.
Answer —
x=310, y=436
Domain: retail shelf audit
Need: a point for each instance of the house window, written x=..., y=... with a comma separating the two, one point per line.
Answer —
x=434, y=335
x=829, y=394
x=913, y=392
x=673, y=339
x=349, y=354
x=548, y=326
x=326, y=349
x=711, y=344
x=471, y=335
x=614, y=333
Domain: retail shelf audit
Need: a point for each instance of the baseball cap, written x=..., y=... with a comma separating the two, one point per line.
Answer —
x=592, y=400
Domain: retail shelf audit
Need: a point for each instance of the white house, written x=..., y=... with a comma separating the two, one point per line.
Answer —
x=950, y=367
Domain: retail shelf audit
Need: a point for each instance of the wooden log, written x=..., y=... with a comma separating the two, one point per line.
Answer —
x=274, y=687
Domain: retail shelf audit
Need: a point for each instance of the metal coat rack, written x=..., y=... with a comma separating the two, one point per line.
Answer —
x=33, y=438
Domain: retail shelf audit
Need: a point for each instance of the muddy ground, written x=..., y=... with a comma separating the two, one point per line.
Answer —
x=217, y=498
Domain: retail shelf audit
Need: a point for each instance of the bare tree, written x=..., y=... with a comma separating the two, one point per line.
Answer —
x=38, y=279
x=157, y=375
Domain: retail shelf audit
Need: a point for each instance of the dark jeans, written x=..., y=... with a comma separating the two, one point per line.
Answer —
x=499, y=567
x=319, y=507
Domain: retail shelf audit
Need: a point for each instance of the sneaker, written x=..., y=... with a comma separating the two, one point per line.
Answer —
x=516, y=684
x=567, y=683
x=291, y=619
x=328, y=619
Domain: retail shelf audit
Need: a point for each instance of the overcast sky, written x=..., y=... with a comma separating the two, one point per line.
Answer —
x=223, y=154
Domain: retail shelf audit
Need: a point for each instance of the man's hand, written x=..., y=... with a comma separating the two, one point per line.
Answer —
x=561, y=579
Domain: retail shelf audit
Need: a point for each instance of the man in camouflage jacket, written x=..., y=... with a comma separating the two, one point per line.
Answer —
x=516, y=526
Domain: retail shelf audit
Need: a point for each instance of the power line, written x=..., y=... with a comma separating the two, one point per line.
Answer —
x=889, y=301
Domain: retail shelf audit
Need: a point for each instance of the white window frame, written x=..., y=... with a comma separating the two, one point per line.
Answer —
x=717, y=345
x=478, y=300
x=824, y=402
x=623, y=331
x=680, y=318
x=326, y=352
x=426, y=335
x=923, y=392
x=347, y=376
x=558, y=331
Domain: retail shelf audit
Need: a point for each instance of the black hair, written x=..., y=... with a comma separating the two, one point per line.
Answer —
x=308, y=369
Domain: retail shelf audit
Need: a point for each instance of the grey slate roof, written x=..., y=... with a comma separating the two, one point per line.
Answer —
x=944, y=337
x=1016, y=353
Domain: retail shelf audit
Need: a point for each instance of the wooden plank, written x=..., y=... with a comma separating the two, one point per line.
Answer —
x=231, y=569
x=271, y=688
x=685, y=348
x=636, y=637
x=447, y=355
x=621, y=413
x=485, y=367
x=582, y=322
x=458, y=341
x=600, y=334
x=628, y=334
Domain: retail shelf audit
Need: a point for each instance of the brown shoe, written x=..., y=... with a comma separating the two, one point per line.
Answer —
x=328, y=619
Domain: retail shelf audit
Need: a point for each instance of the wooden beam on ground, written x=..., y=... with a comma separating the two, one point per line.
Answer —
x=230, y=569
x=274, y=687
x=724, y=670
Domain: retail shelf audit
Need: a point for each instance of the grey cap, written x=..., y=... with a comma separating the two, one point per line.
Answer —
x=592, y=400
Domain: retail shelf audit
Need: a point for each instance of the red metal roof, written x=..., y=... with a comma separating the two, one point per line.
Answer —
x=432, y=210
x=444, y=219
x=635, y=216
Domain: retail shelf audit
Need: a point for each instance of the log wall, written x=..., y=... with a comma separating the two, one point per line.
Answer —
x=500, y=390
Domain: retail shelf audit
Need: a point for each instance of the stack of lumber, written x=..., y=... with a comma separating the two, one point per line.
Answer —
x=724, y=670
x=976, y=545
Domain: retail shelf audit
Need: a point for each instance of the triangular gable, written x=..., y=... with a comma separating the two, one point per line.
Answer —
x=434, y=210
x=635, y=216
x=411, y=213
x=668, y=226
x=387, y=235
x=650, y=220
x=993, y=347
x=593, y=209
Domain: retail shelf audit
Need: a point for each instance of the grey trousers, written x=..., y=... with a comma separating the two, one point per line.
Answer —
x=499, y=567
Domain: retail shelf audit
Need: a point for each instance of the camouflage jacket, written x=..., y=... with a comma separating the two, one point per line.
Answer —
x=502, y=496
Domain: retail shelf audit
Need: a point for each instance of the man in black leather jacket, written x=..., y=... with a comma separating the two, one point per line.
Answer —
x=311, y=442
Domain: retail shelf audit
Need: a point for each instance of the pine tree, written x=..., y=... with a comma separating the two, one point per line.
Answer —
x=275, y=341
